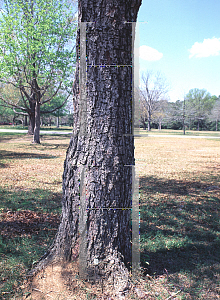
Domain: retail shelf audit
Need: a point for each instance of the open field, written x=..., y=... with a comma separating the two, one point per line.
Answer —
x=179, y=132
x=179, y=204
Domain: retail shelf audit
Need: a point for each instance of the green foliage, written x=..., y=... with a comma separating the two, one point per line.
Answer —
x=37, y=54
x=37, y=36
x=198, y=104
x=6, y=113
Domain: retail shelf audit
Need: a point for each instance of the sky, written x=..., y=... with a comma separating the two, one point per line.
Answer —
x=181, y=40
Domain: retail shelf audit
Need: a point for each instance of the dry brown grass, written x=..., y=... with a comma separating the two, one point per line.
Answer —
x=33, y=166
x=162, y=163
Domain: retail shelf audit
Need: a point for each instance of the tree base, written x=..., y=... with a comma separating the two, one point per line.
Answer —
x=61, y=279
x=34, y=142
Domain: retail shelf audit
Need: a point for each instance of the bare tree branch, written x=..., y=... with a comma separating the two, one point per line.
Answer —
x=49, y=99
x=20, y=113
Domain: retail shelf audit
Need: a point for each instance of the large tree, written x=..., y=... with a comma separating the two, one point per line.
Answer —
x=36, y=52
x=97, y=174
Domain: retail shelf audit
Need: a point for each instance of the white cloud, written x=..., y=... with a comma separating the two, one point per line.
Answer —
x=209, y=47
x=149, y=54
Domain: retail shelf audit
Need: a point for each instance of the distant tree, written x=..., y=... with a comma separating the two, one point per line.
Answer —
x=143, y=110
x=215, y=112
x=36, y=53
x=57, y=107
x=6, y=114
x=176, y=115
x=198, y=105
x=161, y=113
x=156, y=89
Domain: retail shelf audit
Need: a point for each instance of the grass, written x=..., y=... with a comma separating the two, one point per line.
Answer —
x=179, y=207
x=179, y=132
x=180, y=224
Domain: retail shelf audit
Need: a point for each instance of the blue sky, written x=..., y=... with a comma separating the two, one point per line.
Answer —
x=181, y=39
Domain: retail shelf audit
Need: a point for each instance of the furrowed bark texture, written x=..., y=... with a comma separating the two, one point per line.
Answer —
x=104, y=151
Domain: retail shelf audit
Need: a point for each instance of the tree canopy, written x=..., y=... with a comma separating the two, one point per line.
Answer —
x=37, y=52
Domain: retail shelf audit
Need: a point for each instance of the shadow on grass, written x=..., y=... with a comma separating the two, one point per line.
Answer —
x=4, y=154
x=180, y=230
x=7, y=136
x=28, y=224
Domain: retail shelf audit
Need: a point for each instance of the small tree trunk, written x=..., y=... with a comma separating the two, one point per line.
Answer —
x=148, y=124
x=13, y=120
x=31, y=114
x=198, y=126
x=58, y=121
x=144, y=124
x=159, y=126
x=216, y=124
x=36, y=138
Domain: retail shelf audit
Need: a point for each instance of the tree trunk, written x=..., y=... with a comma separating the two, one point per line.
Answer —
x=31, y=118
x=159, y=126
x=144, y=124
x=36, y=138
x=13, y=120
x=58, y=121
x=148, y=124
x=216, y=125
x=101, y=151
x=198, y=126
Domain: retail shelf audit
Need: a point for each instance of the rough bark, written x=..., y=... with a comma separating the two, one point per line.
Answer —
x=101, y=154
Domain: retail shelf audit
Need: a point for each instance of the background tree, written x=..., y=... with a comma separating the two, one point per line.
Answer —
x=176, y=115
x=97, y=156
x=215, y=112
x=156, y=89
x=198, y=105
x=37, y=52
x=160, y=113
x=143, y=109
x=57, y=107
x=7, y=113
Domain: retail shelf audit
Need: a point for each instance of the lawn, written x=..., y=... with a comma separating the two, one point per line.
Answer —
x=179, y=209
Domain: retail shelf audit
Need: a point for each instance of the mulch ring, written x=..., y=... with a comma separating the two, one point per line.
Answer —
x=27, y=222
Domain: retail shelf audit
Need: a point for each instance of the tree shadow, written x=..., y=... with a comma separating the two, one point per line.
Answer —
x=180, y=228
x=28, y=224
x=5, y=154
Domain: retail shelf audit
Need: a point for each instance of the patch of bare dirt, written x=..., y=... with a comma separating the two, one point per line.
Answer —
x=62, y=282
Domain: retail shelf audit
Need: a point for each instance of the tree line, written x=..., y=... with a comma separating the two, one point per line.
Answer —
x=199, y=110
